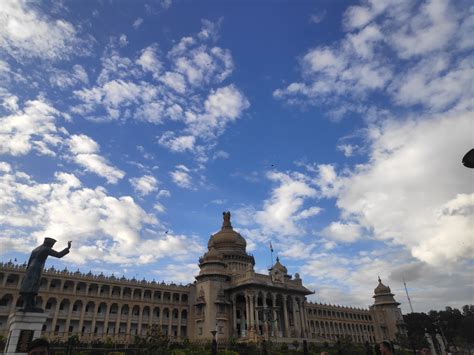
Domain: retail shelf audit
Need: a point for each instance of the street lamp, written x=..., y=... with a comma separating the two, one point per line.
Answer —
x=214, y=343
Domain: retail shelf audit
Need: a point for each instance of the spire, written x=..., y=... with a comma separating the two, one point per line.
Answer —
x=226, y=223
x=380, y=281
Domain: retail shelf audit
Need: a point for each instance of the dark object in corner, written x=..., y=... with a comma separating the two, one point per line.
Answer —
x=468, y=159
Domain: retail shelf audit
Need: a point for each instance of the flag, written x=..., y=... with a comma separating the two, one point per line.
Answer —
x=271, y=247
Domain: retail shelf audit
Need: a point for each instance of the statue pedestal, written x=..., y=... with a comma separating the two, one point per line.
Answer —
x=23, y=327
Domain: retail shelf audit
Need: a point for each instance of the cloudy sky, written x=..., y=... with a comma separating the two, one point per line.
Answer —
x=335, y=130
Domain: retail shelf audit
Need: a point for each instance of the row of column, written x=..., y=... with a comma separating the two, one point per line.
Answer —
x=118, y=320
x=253, y=322
x=337, y=328
x=98, y=291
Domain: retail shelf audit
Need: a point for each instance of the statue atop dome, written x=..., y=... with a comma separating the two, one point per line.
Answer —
x=226, y=223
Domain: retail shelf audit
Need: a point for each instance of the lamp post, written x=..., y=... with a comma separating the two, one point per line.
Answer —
x=214, y=343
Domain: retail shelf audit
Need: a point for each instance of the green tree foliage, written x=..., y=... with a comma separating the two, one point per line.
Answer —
x=457, y=326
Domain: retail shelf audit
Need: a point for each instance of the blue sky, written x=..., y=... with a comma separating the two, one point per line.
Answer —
x=333, y=129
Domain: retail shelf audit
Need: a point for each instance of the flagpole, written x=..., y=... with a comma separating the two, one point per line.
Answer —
x=406, y=290
x=271, y=253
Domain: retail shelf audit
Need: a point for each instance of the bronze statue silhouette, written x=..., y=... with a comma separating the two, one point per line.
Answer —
x=31, y=283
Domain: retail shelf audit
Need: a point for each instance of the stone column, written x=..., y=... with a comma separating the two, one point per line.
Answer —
x=275, y=324
x=234, y=314
x=81, y=318
x=295, y=319
x=68, y=320
x=247, y=326
x=170, y=321
x=55, y=317
x=13, y=305
x=117, y=321
x=252, y=312
x=129, y=323
x=140, y=320
x=178, y=332
x=302, y=319
x=106, y=320
x=150, y=317
x=265, y=322
x=285, y=314
x=256, y=314
x=94, y=317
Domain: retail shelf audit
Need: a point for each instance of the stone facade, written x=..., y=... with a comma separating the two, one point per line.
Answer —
x=228, y=297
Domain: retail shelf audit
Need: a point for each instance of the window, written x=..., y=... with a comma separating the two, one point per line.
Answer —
x=221, y=330
x=200, y=330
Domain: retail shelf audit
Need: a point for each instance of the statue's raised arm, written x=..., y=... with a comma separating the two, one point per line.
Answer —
x=31, y=283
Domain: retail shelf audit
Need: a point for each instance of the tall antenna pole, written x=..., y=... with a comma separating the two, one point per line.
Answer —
x=406, y=290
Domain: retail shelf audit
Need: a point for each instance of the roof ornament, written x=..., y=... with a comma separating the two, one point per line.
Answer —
x=379, y=279
x=226, y=223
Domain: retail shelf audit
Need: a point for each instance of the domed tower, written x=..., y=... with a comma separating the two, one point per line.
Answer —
x=226, y=256
x=386, y=314
x=232, y=246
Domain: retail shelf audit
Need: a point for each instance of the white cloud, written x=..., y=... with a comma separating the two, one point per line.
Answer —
x=221, y=107
x=285, y=206
x=394, y=45
x=84, y=152
x=80, y=73
x=182, y=90
x=123, y=41
x=179, y=273
x=342, y=232
x=82, y=144
x=317, y=17
x=137, y=23
x=27, y=33
x=149, y=61
x=406, y=191
x=437, y=83
x=101, y=226
x=144, y=185
x=65, y=79
x=32, y=128
x=174, y=81
x=431, y=28
x=346, y=149
x=181, y=177
x=177, y=144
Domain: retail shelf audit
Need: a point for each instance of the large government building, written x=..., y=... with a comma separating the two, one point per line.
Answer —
x=228, y=296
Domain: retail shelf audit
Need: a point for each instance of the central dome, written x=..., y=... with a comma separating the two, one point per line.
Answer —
x=227, y=238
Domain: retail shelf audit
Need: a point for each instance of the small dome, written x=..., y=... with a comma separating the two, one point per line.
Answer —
x=381, y=288
x=278, y=266
x=227, y=237
x=213, y=254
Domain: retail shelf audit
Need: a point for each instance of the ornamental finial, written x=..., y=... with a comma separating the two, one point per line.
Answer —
x=226, y=223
